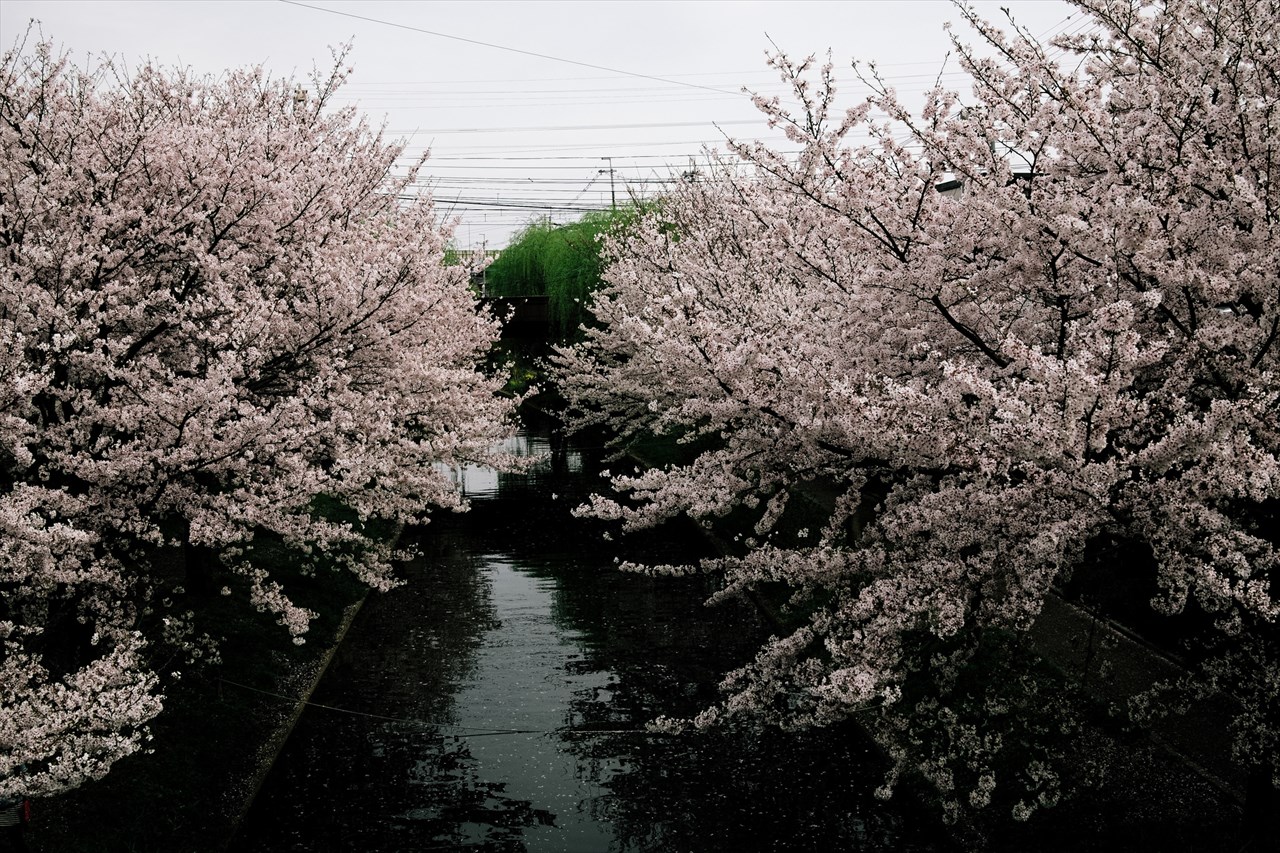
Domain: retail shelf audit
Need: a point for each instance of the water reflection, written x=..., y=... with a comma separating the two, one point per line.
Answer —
x=497, y=702
x=552, y=458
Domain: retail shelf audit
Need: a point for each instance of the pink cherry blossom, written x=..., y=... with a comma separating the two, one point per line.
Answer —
x=1079, y=346
x=220, y=302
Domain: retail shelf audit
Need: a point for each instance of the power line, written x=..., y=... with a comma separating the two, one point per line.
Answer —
x=756, y=72
x=460, y=90
x=594, y=146
x=503, y=47
x=579, y=157
x=431, y=166
x=556, y=127
x=510, y=205
x=524, y=181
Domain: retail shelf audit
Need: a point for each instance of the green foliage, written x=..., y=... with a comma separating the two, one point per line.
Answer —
x=561, y=262
x=517, y=363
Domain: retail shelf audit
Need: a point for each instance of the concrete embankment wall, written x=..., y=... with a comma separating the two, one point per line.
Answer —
x=303, y=684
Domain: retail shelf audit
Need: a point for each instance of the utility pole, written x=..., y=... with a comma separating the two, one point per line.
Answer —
x=613, y=198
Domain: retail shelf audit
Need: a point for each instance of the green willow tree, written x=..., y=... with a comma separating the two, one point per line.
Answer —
x=561, y=262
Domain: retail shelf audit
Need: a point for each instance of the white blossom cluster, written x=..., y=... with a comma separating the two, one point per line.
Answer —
x=1079, y=346
x=218, y=309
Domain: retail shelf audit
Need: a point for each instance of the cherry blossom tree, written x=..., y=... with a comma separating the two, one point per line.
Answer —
x=221, y=311
x=990, y=337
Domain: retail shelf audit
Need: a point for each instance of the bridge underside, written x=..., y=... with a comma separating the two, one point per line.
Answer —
x=521, y=316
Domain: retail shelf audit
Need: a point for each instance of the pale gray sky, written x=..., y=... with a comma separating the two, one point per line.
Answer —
x=516, y=136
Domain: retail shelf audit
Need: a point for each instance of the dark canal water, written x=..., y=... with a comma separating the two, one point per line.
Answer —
x=497, y=703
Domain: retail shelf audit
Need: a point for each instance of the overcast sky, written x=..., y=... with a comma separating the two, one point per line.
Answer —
x=521, y=102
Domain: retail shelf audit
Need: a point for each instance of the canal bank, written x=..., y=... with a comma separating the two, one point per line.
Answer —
x=498, y=702
x=214, y=741
x=294, y=692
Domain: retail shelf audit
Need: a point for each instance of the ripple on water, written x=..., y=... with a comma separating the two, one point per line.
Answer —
x=518, y=669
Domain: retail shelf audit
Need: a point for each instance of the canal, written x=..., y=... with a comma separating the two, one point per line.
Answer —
x=497, y=702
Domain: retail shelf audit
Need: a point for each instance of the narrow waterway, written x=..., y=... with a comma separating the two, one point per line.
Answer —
x=497, y=702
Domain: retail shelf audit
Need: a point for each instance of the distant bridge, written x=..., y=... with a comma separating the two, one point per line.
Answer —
x=522, y=316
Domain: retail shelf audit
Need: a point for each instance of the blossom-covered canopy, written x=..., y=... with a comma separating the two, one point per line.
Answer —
x=1039, y=318
x=218, y=305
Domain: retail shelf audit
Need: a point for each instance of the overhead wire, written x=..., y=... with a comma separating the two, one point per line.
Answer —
x=493, y=181
x=735, y=75
x=594, y=178
x=540, y=128
x=498, y=46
